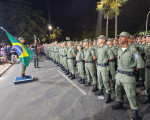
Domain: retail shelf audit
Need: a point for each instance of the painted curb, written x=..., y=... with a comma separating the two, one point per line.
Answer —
x=5, y=69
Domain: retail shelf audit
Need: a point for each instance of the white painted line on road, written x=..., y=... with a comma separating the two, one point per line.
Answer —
x=4, y=70
x=2, y=78
x=45, y=60
x=73, y=83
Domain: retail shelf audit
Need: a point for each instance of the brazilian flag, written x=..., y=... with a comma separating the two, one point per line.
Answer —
x=23, y=52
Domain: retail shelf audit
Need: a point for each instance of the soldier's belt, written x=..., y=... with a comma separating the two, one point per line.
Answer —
x=71, y=58
x=88, y=61
x=112, y=60
x=64, y=55
x=128, y=73
x=79, y=61
x=103, y=64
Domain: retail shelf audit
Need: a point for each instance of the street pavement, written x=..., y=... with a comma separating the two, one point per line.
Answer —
x=53, y=96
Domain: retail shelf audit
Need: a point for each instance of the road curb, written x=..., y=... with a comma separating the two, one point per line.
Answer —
x=5, y=69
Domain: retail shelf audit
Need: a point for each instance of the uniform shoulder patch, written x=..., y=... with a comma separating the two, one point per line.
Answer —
x=109, y=51
x=136, y=56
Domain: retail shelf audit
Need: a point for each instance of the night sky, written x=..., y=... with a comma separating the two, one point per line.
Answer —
x=70, y=14
x=65, y=13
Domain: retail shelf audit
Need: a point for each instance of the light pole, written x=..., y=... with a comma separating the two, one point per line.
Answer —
x=147, y=21
x=116, y=24
x=50, y=28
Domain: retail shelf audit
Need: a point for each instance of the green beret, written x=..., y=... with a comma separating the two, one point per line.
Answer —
x=79, y=45
x=110, y=39
x=124, y=34
x=131, y=37
x=115, y=39
x=70, y=42
x=148, y=35
x=102, y=37
x=85, y=40
x=21, y=38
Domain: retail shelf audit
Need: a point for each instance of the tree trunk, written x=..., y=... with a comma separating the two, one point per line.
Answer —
x=116, y=21
x=107, y=28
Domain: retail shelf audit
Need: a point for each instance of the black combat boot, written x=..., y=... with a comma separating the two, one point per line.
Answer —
x=108, y=98
x=135, y=115
x=83, y=81
x=147, y=100
x=73, y=77
x=63, y=69
x=79, y=79
x=94, y=88
x=88, y=84
x=100, y=92
x=67, y=73
x=24, y=76
x=70, y=75
x=113, y=85
x=118, y=105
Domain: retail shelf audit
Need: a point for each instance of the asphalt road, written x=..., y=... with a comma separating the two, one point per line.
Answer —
x=55, y=97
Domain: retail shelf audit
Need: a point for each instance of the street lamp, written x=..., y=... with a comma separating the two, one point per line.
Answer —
x=50, y=28
x=147, y=21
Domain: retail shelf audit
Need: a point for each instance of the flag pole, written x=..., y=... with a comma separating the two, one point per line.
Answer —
x=3, y=29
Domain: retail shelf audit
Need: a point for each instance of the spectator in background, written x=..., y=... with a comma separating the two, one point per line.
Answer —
x=35, y=56
x=7, y=51
x=2, y=53
x=13, y=55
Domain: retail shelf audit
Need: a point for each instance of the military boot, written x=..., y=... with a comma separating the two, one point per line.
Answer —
x=63, y=69
x=108, y=98
x=147, y=100
x=135, y=115
x=24, y=76
x=113, y=85
x=73, y=77
x=118, y=105
x=67, y=73
x=70, y=75
x=88, y=84
x=83, y=81
x=100, y=92
x=79, y=79
x=94, y=88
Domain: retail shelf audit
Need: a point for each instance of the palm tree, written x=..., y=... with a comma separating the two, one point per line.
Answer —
x=57, y=32
x=110, y=11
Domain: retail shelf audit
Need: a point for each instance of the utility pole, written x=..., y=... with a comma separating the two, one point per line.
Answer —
x=116, y=19
x=147, y=22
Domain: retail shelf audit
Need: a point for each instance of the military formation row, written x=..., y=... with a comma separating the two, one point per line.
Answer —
x=99, y=59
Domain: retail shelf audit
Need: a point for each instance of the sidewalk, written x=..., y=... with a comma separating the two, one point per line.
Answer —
x=4, y=68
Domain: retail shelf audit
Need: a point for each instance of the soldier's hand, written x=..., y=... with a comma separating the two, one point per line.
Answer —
x=111, y=59
x=94, y=57
x=137, y=69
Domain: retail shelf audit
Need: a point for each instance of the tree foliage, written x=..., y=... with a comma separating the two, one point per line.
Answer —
x=18, y=18
x=57, y=33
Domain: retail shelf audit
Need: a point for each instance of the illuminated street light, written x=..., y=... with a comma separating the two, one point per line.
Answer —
x=50, y=27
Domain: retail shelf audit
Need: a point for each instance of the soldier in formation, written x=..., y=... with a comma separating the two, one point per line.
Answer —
x=107, y=64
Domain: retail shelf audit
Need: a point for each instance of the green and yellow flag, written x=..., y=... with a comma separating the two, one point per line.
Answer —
x=23, y=52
